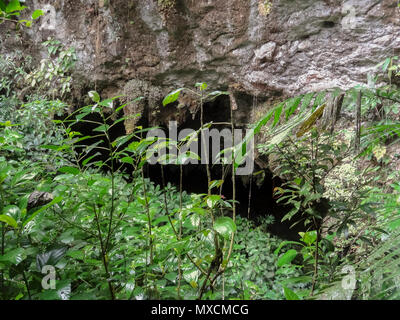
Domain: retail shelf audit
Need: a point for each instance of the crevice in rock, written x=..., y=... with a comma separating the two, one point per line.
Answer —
x=328, y=24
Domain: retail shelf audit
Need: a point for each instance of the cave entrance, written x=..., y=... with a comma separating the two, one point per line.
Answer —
x=255, y=197
x=255, y=200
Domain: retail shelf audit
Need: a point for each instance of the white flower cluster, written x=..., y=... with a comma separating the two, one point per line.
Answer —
x=342, y=181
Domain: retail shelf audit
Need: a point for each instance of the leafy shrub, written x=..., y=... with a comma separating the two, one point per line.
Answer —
x=253, y=272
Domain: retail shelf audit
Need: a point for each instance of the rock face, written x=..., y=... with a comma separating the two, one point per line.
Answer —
x=265, y=48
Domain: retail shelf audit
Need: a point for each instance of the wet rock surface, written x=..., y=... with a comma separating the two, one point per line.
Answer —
x=296, y=47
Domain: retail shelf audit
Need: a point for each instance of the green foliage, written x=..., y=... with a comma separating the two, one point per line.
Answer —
x=378, y=273
x=113, y=235
x=13, y=68
x=53, y=76
x=253, y=272
x=34, y=126
x=10, y=10
x=112, y=238
x=323, y=187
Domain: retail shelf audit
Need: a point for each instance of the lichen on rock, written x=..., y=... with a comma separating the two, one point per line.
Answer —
x=264, y=7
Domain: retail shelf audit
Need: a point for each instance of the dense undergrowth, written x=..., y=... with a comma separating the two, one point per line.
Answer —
x=81, y=220
x=109, y=234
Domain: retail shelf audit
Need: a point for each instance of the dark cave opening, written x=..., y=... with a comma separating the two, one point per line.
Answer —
x=262, y=202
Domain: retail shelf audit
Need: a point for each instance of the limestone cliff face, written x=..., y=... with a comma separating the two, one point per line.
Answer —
x=289, y=47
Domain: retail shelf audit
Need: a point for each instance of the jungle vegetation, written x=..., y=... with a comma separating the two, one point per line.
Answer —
x=74, y=225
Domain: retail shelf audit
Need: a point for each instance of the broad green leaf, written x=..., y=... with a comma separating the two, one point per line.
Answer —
x=213, y=200
x=28, y=23
x=62, y=291
x=12, y=211
x=68, y=169
x=172, y=97
x=394, y=224
x=289, y=294
x=51, y=147
x=9, y=220
x=94, y=96
x=77, y=254
x=127, y=160
x=172, y=276
x=184, y=157
x=14, y=256
x=102, y=128
x=179, y=246
x=14, y=5
x=107, y=103
x=225, y=226
x=308, y=237
x=86, y=161
x=143, y=200
x=287, y=257
x=37, y=13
